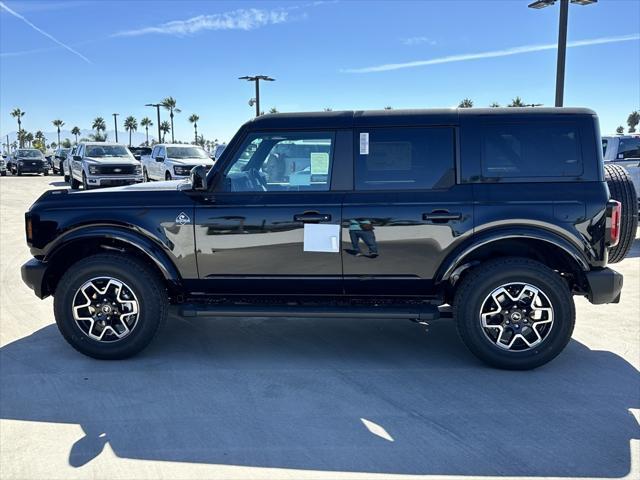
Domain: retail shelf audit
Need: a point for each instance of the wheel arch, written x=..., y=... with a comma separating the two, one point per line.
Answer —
x=536, y=244
x=88, y=241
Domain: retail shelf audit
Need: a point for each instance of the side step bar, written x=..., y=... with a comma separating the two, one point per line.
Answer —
x=411, y=312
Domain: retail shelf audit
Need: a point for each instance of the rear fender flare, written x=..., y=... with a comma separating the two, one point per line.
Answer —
x=458, y=258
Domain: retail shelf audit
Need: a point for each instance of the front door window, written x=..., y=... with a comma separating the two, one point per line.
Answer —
x=283, y=162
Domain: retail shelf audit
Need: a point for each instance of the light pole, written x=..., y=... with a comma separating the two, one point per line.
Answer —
x=157, y=105
x=256, y=79
x=115, y=124
x=562, y=40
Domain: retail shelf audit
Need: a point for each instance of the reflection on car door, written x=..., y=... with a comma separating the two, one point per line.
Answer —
x=250, y=236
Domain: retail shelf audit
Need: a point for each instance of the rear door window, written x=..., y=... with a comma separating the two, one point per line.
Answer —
x=398, y=158
x=628, y=148
x=529, y=150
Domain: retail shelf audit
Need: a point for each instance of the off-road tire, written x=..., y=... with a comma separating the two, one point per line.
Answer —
x=621, y=189
x=482, y=280
x=144, y=282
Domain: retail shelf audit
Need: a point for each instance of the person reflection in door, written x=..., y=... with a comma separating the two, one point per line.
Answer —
x=362, y=229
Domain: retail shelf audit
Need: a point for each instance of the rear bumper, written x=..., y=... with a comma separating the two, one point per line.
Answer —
x=605, y=286
x=33, y=276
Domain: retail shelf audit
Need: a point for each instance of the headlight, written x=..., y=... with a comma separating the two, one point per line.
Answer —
x=20, y=162
x=181, y=170
x=138, y=169
x=93, y=169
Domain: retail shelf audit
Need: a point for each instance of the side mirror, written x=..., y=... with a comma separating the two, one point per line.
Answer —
x=77, y=158
x=159, y=159
x=199, y=178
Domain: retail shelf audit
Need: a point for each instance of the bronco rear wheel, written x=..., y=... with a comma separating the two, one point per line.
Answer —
x=110, y=306
x=621, y=189
x=514, y=313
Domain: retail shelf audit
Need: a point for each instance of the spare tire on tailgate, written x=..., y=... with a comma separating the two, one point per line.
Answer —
x=622, y=189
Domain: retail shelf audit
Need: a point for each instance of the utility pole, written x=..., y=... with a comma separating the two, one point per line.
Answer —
x=115, y=124
x=157, y=105
x=256, y=79
x=562, y=40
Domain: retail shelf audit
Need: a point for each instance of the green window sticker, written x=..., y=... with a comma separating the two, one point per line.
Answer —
x=319, y=163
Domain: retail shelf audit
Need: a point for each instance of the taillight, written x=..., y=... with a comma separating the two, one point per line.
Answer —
x=29, y=228
x=613, y=222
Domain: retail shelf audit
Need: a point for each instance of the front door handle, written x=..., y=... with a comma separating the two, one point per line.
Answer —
x=312, y=217
x=441, y=216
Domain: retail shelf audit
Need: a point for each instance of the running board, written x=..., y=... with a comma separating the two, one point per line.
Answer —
x=412, y=312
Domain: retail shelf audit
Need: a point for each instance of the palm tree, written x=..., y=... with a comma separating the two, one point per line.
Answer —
x=273, y=110
x=632, y=120
x=29, y=138
x=388, y=107
x=328, y=109
x=165, y=128
x=517, y=102
x=18, y=114
x=194, y=119
x=99, y=125
x=146, y=123
x=169, y=103
x=58, y=124
x=495, y=105
x=466, y=103
x=620, y=130
x=75, y=131
x=131, y=125
x=39, y=136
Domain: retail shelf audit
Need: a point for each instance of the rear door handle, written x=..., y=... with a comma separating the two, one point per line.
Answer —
x=312, y=217
x=441, y=217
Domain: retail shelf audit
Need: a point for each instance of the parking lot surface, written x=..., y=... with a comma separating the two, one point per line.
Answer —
x=307, y=398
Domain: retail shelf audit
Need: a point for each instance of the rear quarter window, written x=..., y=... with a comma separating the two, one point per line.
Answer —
x=526, y=151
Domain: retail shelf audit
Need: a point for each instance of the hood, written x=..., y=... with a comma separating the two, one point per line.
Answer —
x=192, y=161
x=112, y=160
x=171, y=185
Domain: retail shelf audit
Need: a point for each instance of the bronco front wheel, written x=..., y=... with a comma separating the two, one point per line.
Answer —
x=110, y=306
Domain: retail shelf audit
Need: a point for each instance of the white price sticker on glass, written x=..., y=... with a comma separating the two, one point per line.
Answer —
x=364, y=143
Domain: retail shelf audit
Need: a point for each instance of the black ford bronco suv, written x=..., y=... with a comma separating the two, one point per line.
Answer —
x=495, y=217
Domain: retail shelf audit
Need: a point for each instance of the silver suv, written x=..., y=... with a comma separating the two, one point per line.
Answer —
x=100, y=164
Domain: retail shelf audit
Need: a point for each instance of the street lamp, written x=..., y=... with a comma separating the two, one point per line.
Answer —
x=115, y=124
x=157, y=105
x=257, y=78
x=562, y=39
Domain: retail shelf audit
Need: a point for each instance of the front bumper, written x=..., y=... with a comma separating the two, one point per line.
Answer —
x=33, y=273
x=605, y=286
x=27, y=167
x=96, y=181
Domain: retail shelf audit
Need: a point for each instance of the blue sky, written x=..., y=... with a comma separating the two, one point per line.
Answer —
x=78, y=60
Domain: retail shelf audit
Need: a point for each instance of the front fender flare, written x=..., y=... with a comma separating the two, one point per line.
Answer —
x=145, y=245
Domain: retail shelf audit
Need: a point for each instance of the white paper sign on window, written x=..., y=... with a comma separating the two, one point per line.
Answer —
x=364, y=143
x=319, y=163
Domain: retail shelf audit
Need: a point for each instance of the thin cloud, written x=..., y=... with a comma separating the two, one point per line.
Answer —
x=491, y=54
x=39, y=30
x=412, y=41
x=241, y=19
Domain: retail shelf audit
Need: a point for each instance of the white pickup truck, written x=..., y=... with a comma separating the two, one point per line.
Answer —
x=172, y=161
x=624, y=150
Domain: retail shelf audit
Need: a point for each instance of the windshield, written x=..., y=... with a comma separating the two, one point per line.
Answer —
x=30, y=153
x=106, y=151
x=186, y=152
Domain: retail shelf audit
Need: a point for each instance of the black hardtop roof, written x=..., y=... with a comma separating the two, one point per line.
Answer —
x=350, y=118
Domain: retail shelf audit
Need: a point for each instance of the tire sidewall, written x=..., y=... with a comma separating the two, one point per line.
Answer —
x=563, y=310
x=149, y=318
